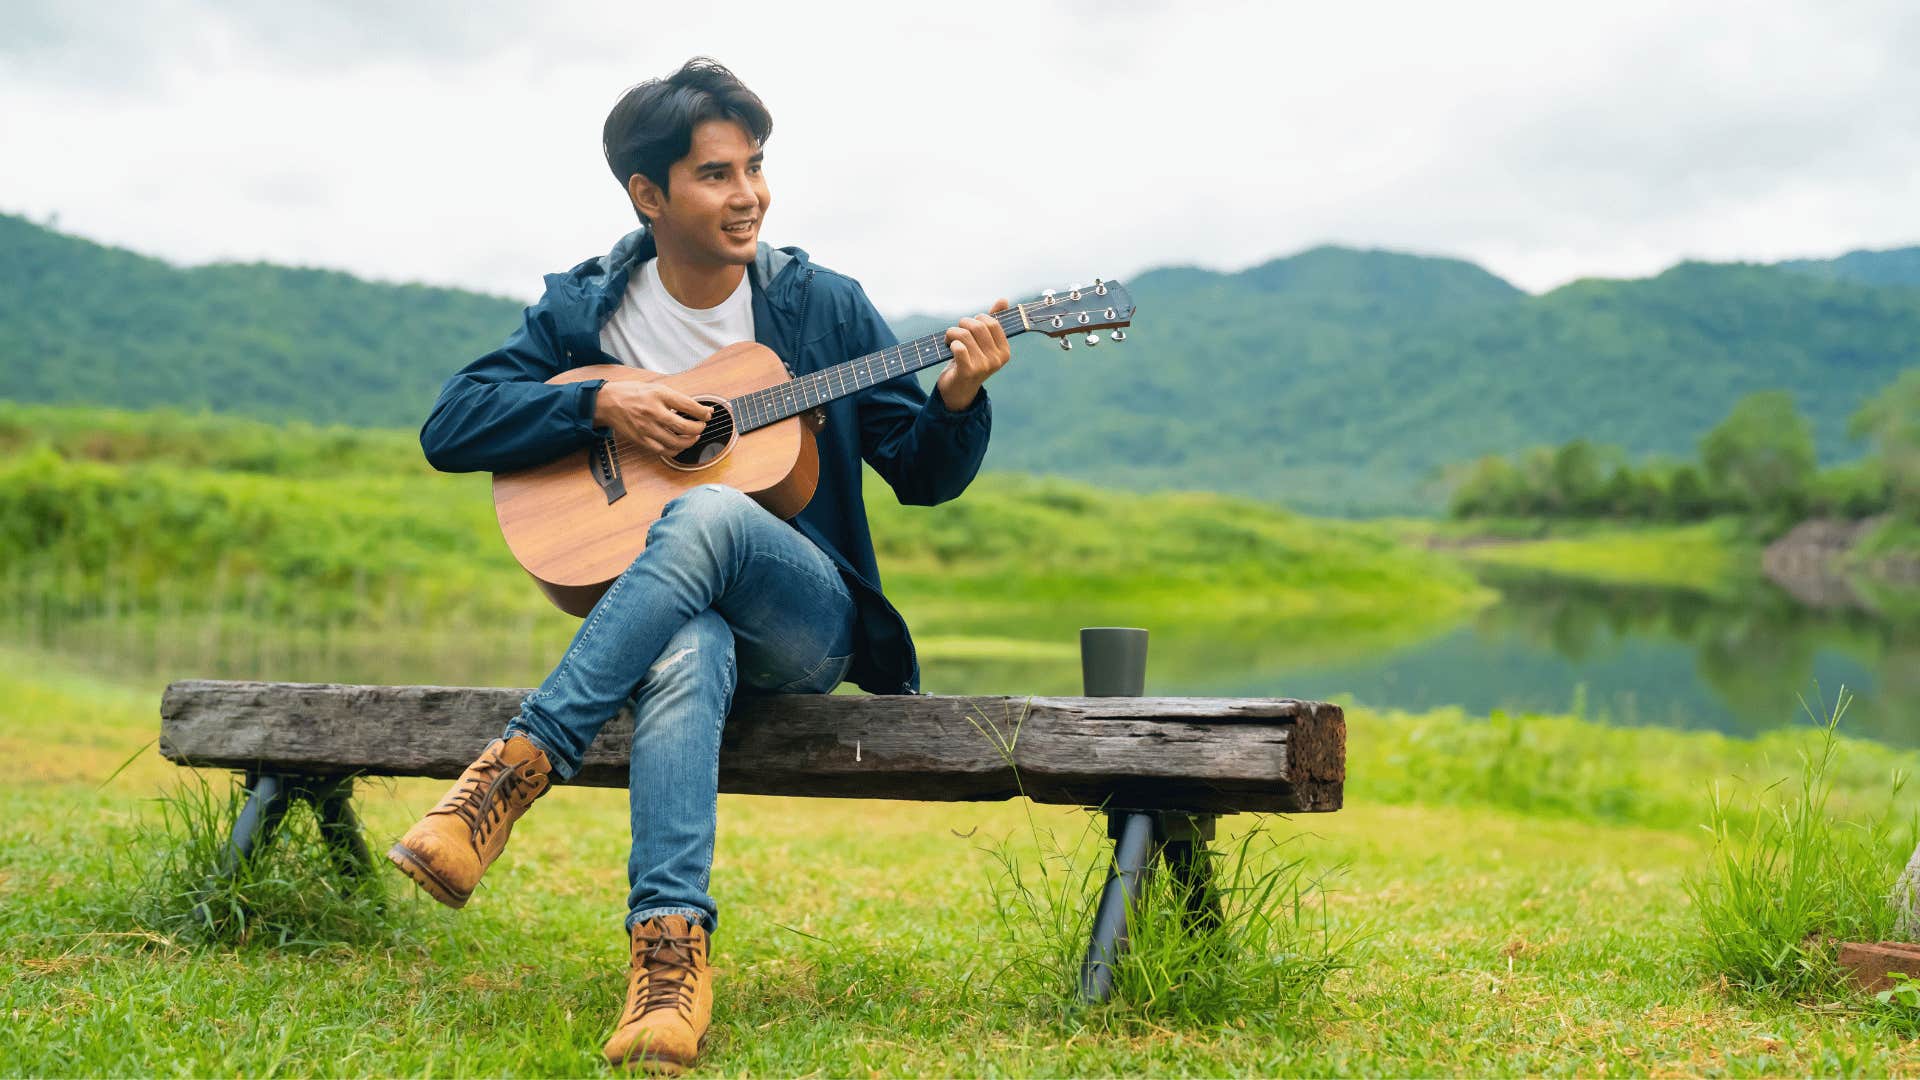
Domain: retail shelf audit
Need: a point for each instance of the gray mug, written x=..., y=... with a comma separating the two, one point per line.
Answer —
x=1113, y=661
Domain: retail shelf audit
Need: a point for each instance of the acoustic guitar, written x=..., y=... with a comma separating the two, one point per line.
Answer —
x=578, y=521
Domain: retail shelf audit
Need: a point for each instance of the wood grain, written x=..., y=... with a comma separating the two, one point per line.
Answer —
x=1204, y=754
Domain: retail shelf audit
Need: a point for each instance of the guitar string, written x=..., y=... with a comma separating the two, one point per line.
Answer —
x=1009, y=320
x=724, y=429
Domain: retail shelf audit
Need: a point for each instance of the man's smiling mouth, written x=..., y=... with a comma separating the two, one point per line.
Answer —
x=741, y=227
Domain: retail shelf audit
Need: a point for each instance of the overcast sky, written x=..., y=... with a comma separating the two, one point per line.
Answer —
x=946, y=154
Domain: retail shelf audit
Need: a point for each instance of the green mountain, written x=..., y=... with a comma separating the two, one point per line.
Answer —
x=1337, y=397
x=1335, y=380
x=1895, y=266
x=85, y=324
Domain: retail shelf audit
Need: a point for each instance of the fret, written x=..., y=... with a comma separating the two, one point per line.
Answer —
x=775, y=403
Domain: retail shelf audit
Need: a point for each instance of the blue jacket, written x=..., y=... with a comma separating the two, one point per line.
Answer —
x=498, y=414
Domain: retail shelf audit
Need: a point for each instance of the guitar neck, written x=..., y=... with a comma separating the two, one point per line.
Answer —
x=795, y=396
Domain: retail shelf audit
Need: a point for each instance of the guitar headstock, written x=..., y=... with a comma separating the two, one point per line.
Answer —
x=1081, y=310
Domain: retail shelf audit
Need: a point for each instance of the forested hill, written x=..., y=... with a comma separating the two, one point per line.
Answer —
x=1335, y=380
x=86, y=324
x=1344, y=390
x=1898, y=266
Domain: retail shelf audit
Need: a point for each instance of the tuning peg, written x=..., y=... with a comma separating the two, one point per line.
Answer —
x=1099, y=287
x=1092, y=340
x=1066, y=344
x=1119, y=335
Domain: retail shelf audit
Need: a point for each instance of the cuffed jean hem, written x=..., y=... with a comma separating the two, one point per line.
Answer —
x=562, y=768
x=691, y=914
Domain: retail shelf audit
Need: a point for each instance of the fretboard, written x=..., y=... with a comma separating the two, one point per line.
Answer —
x=791, y=398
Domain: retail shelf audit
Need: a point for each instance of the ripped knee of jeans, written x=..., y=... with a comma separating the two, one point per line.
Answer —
x=669, y=662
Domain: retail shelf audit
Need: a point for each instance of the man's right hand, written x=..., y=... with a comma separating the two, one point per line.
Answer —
x=656, y=418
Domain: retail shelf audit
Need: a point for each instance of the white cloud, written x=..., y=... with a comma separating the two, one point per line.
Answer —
x=952, y=155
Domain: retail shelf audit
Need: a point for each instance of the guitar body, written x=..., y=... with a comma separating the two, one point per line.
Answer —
x=577, y=522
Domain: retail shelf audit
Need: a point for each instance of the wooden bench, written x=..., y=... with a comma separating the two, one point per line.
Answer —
x=1162, y=768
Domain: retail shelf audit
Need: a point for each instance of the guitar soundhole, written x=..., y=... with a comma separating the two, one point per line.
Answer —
x=714, y=441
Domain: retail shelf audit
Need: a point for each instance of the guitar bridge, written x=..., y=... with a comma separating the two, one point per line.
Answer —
x=604, y=462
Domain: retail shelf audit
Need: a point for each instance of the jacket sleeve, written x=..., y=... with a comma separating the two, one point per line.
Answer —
x=499, y=414
x=926, y=452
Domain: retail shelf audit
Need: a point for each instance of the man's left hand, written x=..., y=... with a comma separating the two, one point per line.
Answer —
x=980, y=348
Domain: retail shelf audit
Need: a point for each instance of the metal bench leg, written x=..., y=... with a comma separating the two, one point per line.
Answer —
x=1140, y=836
x=1186, y=838
x=268, y=796
x=1132, y=847
x=340, y=828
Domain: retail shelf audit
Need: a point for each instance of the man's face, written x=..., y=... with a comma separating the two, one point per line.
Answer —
x=716, y=198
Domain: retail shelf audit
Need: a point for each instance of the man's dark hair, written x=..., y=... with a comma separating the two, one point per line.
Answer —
x=651, y=126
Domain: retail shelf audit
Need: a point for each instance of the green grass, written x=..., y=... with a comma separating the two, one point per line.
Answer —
x=1512, y=920
x=1261, y=947
x=1503, y=895
x=167, y=878
x=223, y=443
x=196, y=533
x=1718, y=557
x=1788, y=878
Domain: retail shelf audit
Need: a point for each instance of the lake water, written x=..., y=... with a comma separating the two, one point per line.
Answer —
x=1622, y=655
x=1642, y=656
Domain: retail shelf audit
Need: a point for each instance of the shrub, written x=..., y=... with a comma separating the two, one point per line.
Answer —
x=1787, y=881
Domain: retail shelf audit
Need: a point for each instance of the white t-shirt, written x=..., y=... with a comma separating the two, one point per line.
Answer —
x=652, y=330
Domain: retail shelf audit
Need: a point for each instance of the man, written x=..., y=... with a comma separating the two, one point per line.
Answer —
x=725, y=594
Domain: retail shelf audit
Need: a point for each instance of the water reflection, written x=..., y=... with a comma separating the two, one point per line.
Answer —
x=1640, y=655
x=1620, y=654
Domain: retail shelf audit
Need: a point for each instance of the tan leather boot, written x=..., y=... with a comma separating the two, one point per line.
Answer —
x=454, y=844
x=669, y=998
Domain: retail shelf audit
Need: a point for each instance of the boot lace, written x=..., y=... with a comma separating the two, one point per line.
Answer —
x=669, y=963
x=482, y=799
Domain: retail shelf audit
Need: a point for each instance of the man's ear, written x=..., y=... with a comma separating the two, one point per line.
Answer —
x=646, y=195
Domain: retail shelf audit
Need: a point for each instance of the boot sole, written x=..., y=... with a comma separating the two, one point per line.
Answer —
x=660, y=1065
x=412, y=866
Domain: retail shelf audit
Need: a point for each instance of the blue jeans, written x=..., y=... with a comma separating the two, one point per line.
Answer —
x=721, y=582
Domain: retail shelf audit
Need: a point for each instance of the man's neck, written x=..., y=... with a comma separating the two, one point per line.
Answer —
x=698, y=285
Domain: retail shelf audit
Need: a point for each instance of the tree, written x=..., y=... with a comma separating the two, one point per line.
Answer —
x=1486, y=488
x=1620, y=498
x=1687, y=498
x=1892, y=421
x=1762, y=453
x=1578, y=483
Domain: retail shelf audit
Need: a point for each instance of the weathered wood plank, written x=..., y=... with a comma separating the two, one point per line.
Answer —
x=1202, y=754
